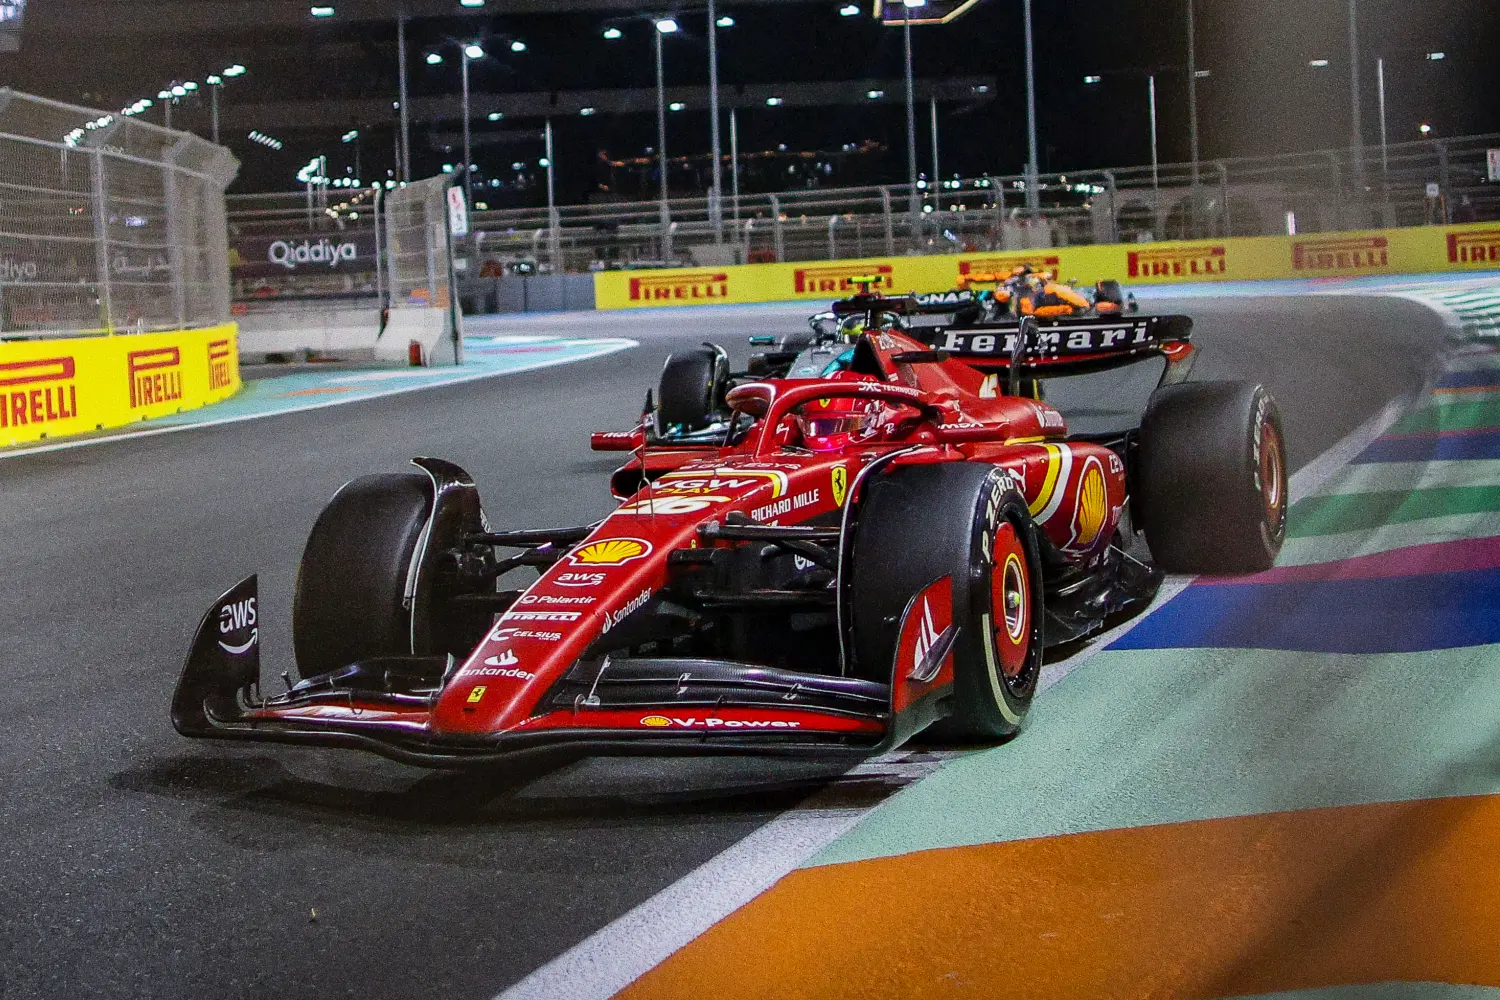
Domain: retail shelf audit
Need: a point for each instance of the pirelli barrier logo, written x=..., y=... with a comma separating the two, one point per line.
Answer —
x=704, y=286
x=1472, y=249
x=835, y=281
x=1007, y=264
x=219, y=373
x=1202, y=262
x=155, y=376
x=1356, y=253
x=37, y=392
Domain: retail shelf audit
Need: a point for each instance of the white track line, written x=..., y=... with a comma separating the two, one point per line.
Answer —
x=618, y=954
x=610, y=346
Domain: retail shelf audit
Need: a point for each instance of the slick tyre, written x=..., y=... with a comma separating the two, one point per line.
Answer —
x=692, y=384
x=1211, y=483
x=349, y=600
x=969, y=523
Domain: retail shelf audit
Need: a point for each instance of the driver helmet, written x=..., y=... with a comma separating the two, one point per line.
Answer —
x=838, y=421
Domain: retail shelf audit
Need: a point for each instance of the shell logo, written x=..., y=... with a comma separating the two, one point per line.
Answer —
x=611, y=552
x=656, y=721
x=1093, y=505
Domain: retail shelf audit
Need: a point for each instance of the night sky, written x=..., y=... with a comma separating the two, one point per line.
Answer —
x=1261, y=98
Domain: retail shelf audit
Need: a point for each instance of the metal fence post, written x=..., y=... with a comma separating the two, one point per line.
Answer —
x=890, y=227
x=174, y=237
x=1114, y=206
x=378, y=205
x=777, y=240
x=101, y=243
x=1223, y=169
x=1338, y=191
x=833, y=221
x=1444, y=180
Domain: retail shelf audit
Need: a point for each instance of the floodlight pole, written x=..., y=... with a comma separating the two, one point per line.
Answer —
x=716, y=194
x=914, y=201
x=1033, y=196
x=405, y=143
x=1357, y=136
x=661, y=150
x=213, y=102
x=468, y=169
x=1155, y=157
x=937, y=174
x=734, y=162
x=1385, y=159
x=1192, y=90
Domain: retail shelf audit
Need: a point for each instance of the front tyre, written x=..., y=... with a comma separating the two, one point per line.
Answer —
x=691, y=391
x=349, y=603
x=1211, y=483
x=969, y=523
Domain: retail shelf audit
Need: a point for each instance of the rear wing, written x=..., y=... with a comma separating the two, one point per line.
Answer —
x=1062, y=347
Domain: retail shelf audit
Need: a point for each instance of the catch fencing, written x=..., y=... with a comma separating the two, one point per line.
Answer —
x=1408, y=184
x=108, y=224
x=365, y=273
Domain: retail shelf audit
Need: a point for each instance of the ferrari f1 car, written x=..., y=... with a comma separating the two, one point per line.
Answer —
x=860, y=557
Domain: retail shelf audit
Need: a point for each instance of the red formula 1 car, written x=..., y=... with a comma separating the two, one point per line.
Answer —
x=865, y=555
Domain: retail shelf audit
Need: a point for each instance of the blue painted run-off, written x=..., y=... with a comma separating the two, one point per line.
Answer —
x=1389, y=615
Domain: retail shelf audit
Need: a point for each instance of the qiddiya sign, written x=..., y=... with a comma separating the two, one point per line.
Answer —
x=276, y=257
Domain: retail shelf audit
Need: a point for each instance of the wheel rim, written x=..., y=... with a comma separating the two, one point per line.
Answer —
x=1272, y=473
x=1010, y=597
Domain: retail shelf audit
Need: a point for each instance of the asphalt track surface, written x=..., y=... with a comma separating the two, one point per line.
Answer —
x=134, y=863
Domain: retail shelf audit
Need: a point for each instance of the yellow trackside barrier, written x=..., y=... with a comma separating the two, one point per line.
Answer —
x=54, y=388
x=1325, y=255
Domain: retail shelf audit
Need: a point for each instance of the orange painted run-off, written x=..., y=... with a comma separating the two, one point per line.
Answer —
x=1214, y=908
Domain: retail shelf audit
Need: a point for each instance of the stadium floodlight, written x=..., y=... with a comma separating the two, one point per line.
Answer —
x=214, y=80
x=774, y=102
x=190, y=86
x=725, y=22
x=179, y=91
x=849, y=10
x=875, y=95
x=1436, y=56
x=667, y=25
x=495, y=116
x=321, y=11
x=163, y=95
x=1091, y=80
x=434, y=59
x=1425, y=128
x=1203, y=74
x=474, y=50
x=351, y=135
x=676, y=106
x=235, y=70
x=914, y=3
x=518, y=46
x=612, y=34
x=586, y=112
x=1318, y=63
x=471, y=3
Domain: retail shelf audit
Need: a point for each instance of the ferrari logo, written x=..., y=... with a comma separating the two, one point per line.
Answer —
x=840, y=484
x=476, y=694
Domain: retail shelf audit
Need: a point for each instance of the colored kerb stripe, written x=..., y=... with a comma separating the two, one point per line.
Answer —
x=1453, y=417
x=1191, y=911
x=1449, y=447
x=1434, y=557
x=1485, y=378
x=1331, y=515
x=1385, y=615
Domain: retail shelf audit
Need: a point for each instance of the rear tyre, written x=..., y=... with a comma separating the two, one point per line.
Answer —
x=1109, y=291
x=349, y=600
x=967, y=522
x=692, y=387
x=1211, y=483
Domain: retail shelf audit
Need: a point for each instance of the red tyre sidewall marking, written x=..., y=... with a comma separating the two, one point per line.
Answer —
x=1012, y=631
